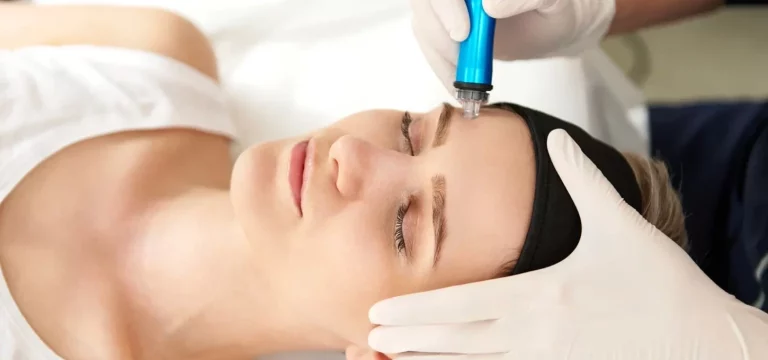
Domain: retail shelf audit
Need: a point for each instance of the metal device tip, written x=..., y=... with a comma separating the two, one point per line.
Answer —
x=471, y=101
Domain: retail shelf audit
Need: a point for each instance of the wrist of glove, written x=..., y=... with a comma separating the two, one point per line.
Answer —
x=525, y=29
x=627, y=292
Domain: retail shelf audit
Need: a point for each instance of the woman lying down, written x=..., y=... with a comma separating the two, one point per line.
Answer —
x=125, y=233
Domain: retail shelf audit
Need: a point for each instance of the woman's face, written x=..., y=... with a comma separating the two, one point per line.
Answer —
x=384, y=214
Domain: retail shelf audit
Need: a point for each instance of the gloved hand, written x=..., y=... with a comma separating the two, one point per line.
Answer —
x=626, y=292
x=525, y=29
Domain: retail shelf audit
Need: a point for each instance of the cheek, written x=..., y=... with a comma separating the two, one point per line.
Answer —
x=348, y=265
x=351, y=252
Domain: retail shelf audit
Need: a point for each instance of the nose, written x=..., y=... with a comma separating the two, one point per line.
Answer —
x=363, y=169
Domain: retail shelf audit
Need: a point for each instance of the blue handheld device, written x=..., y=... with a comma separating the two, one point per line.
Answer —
x=475, y=68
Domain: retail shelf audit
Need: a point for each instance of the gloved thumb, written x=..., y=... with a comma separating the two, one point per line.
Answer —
x=454, y=17
x=592, y=194
x=500, y=9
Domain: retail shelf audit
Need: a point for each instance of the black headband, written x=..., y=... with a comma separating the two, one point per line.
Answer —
x=555, y=226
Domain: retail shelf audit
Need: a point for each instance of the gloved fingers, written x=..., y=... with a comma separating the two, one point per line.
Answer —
x=596, y=200
x=500, y=9
x=485, y=300
x=442, y=64
x=430, y=31
x=454, y=16
x=484, y=337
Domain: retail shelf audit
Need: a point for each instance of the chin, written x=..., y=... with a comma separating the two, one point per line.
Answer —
x=260, y=192
x=253, y=184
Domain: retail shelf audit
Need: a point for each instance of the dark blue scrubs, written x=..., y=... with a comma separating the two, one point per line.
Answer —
x=717, y=154
x=746, y=2
x=718, y=158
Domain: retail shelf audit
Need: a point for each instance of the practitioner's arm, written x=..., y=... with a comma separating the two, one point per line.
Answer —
x=633, y=15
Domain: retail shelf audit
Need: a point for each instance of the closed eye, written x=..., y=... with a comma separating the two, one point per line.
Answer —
x=402, y=210
x=400, y=244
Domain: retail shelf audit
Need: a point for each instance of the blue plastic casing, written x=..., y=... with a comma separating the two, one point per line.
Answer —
x=475, y=66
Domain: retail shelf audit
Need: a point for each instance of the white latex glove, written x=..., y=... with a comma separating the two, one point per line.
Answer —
x=626, y=292
x=526, y=29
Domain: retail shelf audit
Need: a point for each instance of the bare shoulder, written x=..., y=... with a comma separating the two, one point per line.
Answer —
x=148, y=29
x=77, y=210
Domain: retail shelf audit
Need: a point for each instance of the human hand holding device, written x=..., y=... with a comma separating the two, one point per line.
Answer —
x=525, y=29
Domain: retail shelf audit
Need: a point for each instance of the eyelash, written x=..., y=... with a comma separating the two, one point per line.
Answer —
x=403, y=209
x=399, y=237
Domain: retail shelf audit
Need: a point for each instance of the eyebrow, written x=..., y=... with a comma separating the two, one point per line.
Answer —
x=438, y=214
x=443, y=124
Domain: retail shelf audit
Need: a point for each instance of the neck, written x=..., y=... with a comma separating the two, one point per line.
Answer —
x=196, y=289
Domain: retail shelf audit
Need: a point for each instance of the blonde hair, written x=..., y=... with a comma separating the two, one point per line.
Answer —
x=661, y=204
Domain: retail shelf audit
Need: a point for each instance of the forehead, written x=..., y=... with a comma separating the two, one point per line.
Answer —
x=489, y=169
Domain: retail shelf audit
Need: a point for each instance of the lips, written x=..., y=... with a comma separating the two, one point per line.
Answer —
x=296, y=173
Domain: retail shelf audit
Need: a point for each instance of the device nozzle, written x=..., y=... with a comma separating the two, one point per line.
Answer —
x=471, y=109
x=471, y=101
